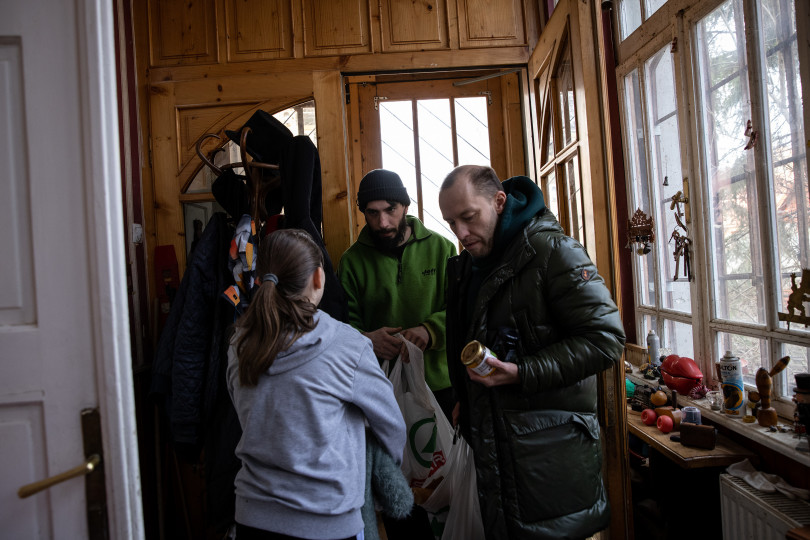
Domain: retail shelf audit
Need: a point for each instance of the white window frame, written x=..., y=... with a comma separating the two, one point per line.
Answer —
x=653, y=35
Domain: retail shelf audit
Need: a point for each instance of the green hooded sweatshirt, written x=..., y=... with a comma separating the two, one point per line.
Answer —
x=386, y=289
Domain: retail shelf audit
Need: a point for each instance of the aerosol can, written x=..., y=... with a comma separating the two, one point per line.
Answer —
x=732, y=385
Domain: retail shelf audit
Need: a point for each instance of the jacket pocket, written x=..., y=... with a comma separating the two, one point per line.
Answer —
x=557, y=461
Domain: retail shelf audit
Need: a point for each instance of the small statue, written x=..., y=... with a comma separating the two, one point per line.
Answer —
x=796, y=300
x=767, y=416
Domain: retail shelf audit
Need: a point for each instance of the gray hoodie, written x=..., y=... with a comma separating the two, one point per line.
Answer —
x=303, y=443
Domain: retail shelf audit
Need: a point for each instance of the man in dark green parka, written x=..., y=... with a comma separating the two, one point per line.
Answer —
x=531, y=294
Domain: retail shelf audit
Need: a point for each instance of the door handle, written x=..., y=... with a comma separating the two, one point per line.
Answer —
x=82, y=470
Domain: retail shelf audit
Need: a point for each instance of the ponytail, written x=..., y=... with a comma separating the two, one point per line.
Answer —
x=279, y=313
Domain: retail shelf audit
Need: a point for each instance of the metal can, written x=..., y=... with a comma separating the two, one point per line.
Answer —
x=475, y=355
x=732, y=385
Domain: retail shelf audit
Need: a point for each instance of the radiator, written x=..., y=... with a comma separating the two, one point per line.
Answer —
x=748, y=513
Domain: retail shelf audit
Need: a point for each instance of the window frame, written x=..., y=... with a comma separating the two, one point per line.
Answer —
x=634, y=51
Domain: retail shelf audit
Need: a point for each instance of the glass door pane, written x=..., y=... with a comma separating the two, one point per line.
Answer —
x=435, y=159
x=398, y=151
x=667, y=180
x=636, y=149
x=724, y=96
x=549, y=187
x=565, y=98
x=573, y=184
x=472, y=131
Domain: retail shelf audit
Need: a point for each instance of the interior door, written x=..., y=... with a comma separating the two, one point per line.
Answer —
x=64, y=344
x=571, y=169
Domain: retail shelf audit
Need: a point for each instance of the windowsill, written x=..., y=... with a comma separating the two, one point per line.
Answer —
x=783, y=443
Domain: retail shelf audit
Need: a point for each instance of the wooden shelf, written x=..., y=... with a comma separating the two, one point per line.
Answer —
x=725, y=451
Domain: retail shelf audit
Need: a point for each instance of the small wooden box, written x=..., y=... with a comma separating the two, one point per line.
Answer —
x=697, y=435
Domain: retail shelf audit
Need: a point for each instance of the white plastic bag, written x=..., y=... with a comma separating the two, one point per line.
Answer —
x=464, y=517
x=430, y=435
x=433, y=458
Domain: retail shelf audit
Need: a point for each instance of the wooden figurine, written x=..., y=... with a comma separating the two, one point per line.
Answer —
x=767, y=415
x=798, y=296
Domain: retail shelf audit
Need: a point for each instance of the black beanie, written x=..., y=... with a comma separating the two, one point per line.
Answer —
x=381, y=185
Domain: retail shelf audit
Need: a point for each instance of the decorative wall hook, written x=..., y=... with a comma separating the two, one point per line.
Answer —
x=640, y=232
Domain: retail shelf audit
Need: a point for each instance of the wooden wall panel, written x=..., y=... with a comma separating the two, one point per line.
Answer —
x=414, y=26
x=182, y=33
x=333, y=151
x=258, y=29
x=336, y=27
x=491, y=23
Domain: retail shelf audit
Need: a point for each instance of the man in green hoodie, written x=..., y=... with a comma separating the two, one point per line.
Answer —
x=530, y=293
x=394, y=277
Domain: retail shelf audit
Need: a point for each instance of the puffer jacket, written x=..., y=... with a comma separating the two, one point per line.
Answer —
x=536, y=444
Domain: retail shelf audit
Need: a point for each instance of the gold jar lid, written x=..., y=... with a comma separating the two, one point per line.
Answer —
x=471, y=352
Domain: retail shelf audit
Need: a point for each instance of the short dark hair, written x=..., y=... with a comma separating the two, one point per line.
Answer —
x=484, y=179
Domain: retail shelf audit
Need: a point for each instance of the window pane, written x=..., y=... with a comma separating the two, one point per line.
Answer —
x=565, y=98
x=629, y=16
x=665, y=167
x=648, y=322
x=651, y=6
x=396, y=134
x=574, y=186
x=798, y=364
x=736, y=256
x=550, y=192
x=205, y=177
x=548, y=150
x=300, y=119
x=677, y=338
x=472, y=131
x=751, y=351
x=637, y=170
x=436, y=157
x=783, y=85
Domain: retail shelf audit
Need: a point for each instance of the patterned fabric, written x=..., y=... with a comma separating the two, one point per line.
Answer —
x=242, y=264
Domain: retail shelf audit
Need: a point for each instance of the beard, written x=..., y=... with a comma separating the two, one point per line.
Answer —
x=390, y=243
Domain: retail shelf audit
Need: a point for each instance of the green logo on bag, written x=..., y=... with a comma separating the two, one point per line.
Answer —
x=427, y=447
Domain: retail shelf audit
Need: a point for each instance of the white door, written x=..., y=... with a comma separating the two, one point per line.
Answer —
x=64, y=343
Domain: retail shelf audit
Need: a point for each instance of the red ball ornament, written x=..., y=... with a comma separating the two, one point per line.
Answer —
x=648, y=416
x=664, y=423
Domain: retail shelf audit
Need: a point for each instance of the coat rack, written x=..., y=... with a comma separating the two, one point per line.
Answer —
x=257, y=175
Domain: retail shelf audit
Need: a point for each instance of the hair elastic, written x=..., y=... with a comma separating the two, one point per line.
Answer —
x=270, y=277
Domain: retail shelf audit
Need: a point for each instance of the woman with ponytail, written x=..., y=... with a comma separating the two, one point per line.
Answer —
x=303, y=385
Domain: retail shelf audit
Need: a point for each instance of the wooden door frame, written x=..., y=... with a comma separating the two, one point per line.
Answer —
x=509, y=158
x=579, y=21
